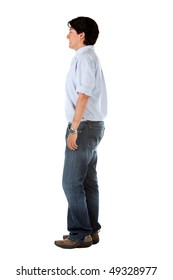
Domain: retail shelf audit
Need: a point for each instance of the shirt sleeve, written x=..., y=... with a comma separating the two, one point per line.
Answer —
x=85, y=75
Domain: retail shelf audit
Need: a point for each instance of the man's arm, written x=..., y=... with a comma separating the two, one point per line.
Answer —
x=79, y=112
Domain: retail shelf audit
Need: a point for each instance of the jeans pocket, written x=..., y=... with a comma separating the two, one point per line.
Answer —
x=95, y=135
x=81, y=127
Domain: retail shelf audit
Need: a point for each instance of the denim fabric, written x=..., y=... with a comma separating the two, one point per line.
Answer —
x=80, y=182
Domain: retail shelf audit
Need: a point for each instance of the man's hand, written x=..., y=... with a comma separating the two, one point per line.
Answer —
x=71, y=141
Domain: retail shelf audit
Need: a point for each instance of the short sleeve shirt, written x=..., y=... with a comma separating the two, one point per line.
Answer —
x=86, y=76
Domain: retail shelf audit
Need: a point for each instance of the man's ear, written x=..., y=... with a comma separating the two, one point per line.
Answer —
x=82, y=35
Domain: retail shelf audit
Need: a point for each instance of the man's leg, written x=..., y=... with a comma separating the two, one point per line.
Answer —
x=75, y=170
x=92, y=193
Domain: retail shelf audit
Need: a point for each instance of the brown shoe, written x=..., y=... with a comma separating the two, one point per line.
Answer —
x=94, y=235
x=70, y=244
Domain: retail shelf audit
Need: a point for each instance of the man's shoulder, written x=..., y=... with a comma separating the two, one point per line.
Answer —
x=87, y=56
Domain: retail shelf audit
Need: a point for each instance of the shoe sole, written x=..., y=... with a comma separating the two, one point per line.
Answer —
x=78, y=245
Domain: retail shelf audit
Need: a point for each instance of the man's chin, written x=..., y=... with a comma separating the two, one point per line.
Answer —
x=70, y=47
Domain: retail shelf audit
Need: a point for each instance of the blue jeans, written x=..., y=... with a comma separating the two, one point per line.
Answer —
x=80, y=182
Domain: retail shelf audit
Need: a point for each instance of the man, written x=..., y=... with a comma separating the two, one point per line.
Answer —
x=86, y=107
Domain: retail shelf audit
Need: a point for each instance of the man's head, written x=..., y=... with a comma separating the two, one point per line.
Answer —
x=86, y=28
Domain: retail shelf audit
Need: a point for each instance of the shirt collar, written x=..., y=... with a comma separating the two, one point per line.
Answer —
x=84, y=49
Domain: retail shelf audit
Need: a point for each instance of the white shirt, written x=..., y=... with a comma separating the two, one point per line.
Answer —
x=86, y=76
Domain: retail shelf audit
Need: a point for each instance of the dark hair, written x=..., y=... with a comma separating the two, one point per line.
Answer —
x=86, y=25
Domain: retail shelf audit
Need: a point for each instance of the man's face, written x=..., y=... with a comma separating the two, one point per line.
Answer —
x=75, y=39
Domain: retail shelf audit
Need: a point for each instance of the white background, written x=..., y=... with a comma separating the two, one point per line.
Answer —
x=135, y=157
